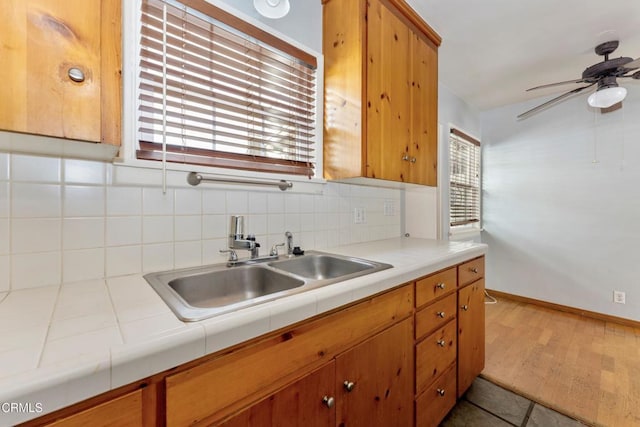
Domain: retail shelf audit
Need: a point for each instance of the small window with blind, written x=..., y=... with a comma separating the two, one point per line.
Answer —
x=214, y=90
x=464, y=182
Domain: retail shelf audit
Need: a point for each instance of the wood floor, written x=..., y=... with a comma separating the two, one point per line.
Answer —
x=585, y=368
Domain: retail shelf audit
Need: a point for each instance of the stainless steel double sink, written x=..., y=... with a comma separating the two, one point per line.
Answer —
x=202, y=292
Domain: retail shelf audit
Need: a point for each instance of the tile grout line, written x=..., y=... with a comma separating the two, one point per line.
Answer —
x=528, y=414
x=492, y=414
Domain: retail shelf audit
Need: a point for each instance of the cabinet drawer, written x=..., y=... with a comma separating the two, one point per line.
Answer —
x=471, y=271
x=122, y=411
x=435, y=354
x=434, y=286
x=435, y=315
x=437, y=400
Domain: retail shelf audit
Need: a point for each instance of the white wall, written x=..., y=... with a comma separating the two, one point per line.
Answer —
x=561, y=204
x=303, y=23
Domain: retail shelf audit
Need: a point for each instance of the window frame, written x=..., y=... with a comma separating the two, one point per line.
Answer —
x=474, y=226
x=131, y=59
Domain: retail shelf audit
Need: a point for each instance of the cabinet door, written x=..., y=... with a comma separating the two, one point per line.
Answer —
x=388, y=94
x=300, y=404
x=470, y=334
x=374, y=380
x=423, y=151
x=42, y=41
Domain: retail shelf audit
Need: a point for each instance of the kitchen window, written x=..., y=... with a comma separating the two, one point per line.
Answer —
x=464, y=182
x=214, y=90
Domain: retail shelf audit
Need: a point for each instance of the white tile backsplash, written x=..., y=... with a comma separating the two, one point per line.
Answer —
x=88, y=228
x=36, y=269
x=27, y=168
x=5, y=200
x=35, y=235
x=4, y=236
x=83, y=264
x=121, y=260
x=4, y=167
x=124, y=230
x=83, y=233
x=157, y=229
x=84, y=172
x=84, y=201
x=155, y=202
x=124, y=201
x=35, y=200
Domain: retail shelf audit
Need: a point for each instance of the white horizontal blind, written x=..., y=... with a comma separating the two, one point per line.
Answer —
x=464, y=185
x=231, y=100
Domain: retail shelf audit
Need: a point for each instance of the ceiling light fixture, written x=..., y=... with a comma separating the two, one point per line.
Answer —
x=273, y=9
x=608, y=94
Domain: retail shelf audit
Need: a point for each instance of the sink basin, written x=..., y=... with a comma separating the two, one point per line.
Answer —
x=202, y=292
x=322, y=266
x=224, y=287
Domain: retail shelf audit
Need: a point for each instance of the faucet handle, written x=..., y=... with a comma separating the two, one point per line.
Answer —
x=233, y=256
x=274, y=249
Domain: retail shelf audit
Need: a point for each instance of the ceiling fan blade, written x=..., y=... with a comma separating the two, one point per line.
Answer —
x=614, y=107
x=632, y=65
x=555, y=84
x=552, y=101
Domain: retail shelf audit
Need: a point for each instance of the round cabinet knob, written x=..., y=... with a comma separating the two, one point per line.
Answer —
x=474, y=270
x=441, y=343
x=440, y=392
x=76, y=74
x=348, y=385
x=405, y=157
x=465, y=307
x=328, y=401
x=413, y=160
x=441, y=314
x=441, y=285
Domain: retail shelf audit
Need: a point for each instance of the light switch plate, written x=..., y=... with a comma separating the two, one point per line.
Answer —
x=359, y=216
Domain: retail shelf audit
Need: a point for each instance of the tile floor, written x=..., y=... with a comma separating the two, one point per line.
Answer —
x=488, y=405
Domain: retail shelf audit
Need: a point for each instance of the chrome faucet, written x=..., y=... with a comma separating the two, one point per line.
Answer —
x=237, y=239
x=289, y=237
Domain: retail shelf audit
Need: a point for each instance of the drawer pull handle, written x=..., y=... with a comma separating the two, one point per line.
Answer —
x=465, y=307
x=441, y=285
x=328, y=401
x=349, y=386
x=474, y=270
x=442, y=343
x=440, y=392
x=441, y=314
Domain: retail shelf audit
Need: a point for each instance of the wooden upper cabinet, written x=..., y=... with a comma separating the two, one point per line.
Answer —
x=380, y=92
x=47, y=47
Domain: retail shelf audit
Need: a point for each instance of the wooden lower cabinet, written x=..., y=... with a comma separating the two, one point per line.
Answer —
x=398, y=358
x=374, y=380
x=368, y=385
x=304, y=403
x=437, y=400
x=470, y=334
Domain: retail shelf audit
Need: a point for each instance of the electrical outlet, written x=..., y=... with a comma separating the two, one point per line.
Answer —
x=619, y=297
x=389, y=208
x=359, y=216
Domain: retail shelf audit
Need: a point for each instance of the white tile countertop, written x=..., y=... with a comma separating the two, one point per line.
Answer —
x=64, y=344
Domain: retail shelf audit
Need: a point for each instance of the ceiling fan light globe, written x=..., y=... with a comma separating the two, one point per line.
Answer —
x=605, y=98
x=273, y=9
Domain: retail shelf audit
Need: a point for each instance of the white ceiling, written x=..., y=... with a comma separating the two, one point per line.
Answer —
x=493, y=50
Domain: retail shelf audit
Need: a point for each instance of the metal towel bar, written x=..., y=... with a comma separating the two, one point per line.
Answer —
x=195, y=178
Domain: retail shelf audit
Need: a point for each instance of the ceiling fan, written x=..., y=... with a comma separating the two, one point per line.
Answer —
x=608, y=95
